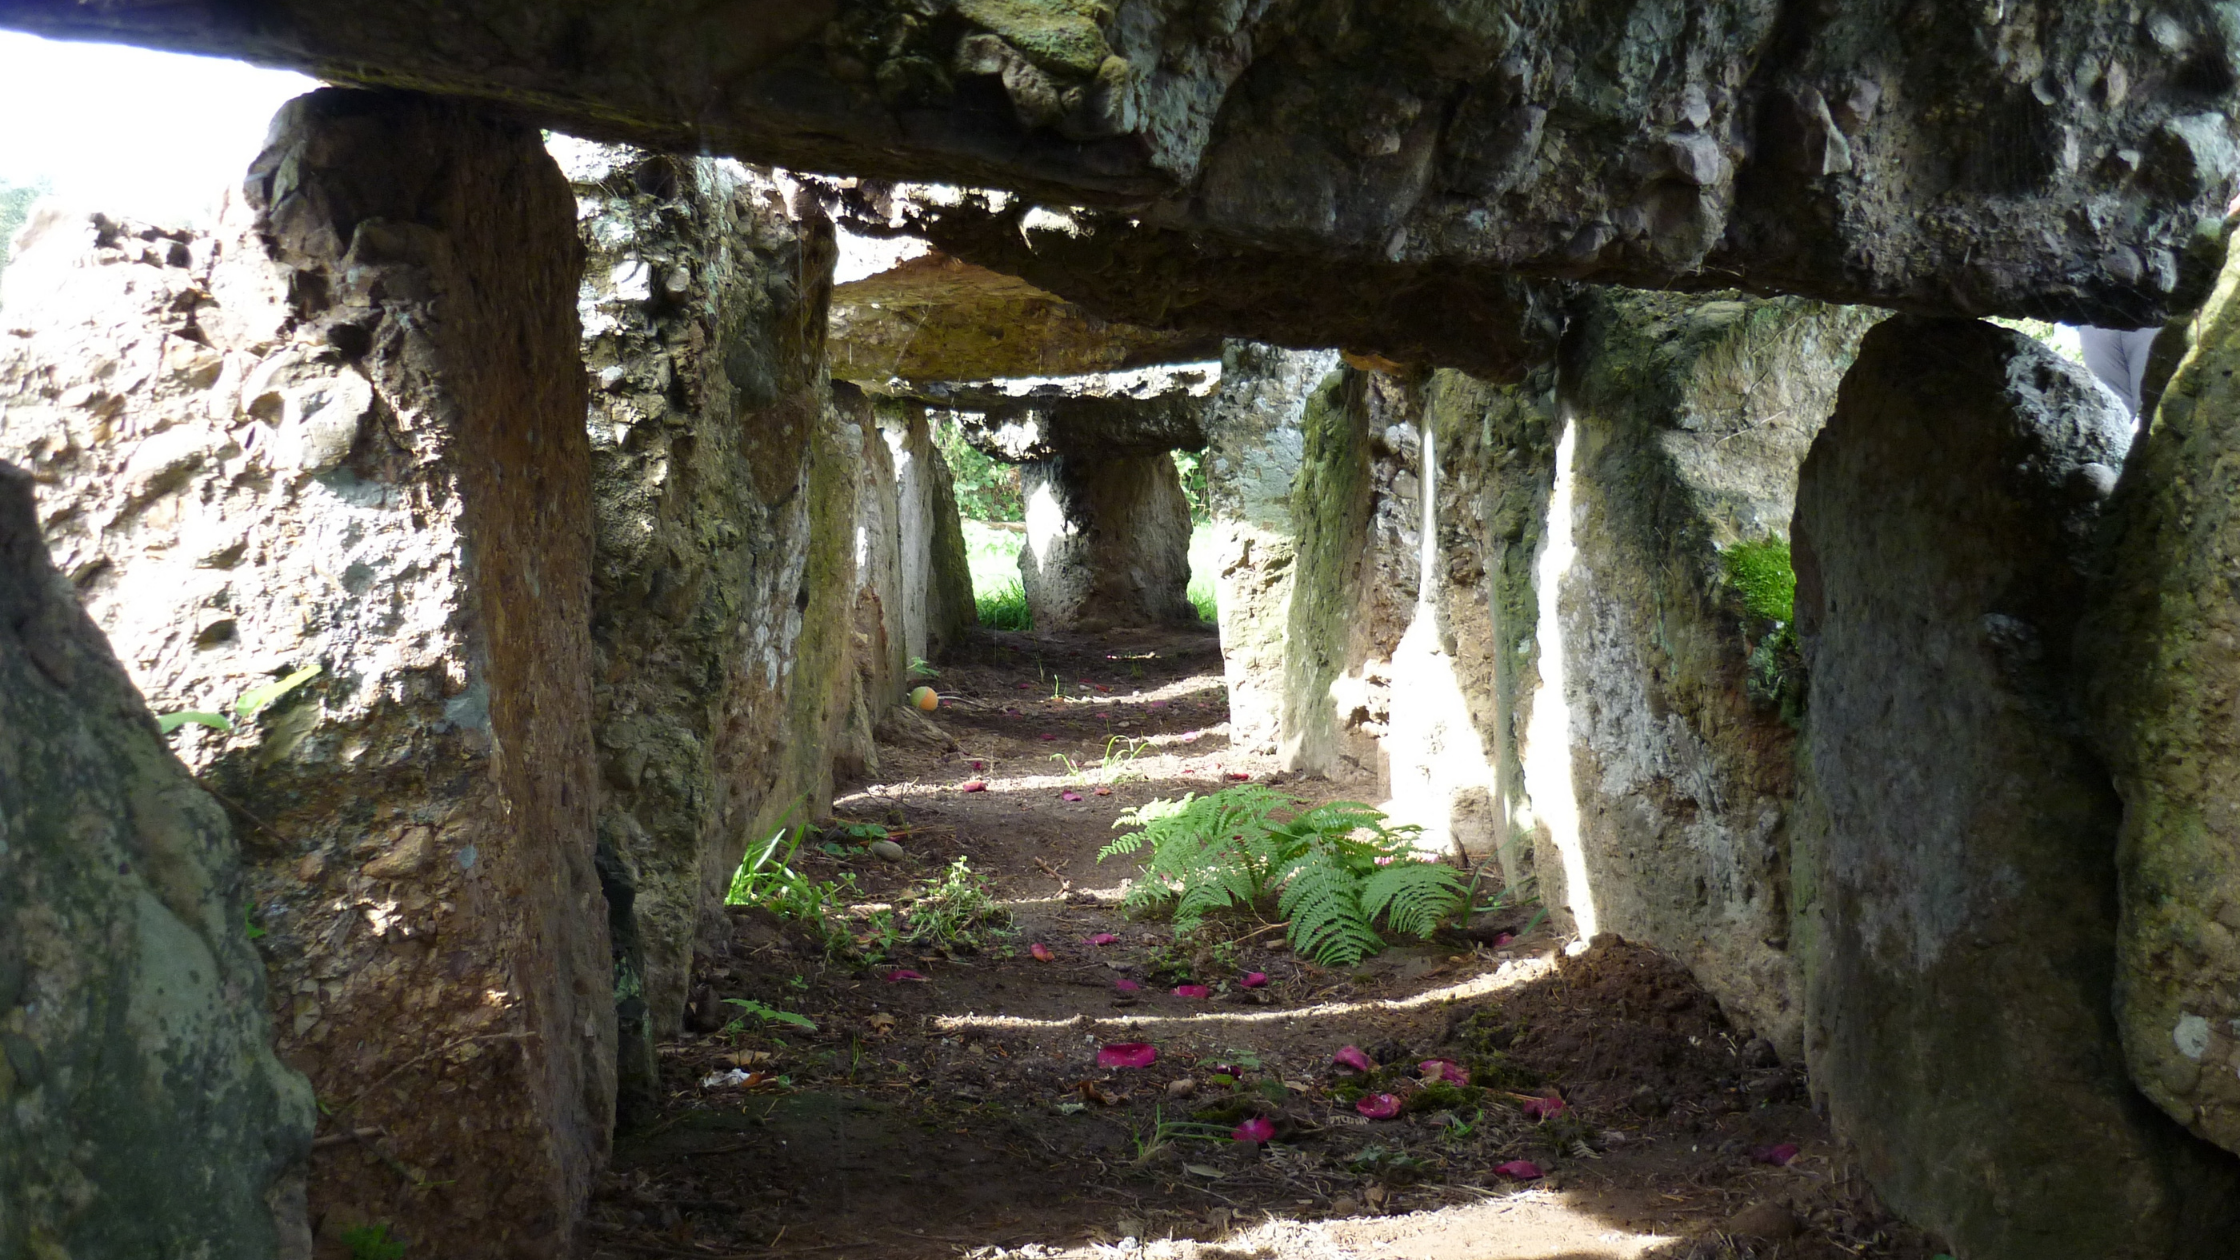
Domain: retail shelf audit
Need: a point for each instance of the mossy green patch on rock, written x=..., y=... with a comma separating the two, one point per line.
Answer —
x=1761, y=574
x=1054, y=34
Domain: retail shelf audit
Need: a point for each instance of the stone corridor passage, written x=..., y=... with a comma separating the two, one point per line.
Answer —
x=500, y=755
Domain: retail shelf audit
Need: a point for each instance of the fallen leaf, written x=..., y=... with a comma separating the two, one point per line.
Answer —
x=1443, y=1071
x=1095, y=1093
x=1256, y=1130
x=1254, y=979
x=900, y=974
x=1072, y=1108
x=1040, y=951
x=748, y=1058
x=1545, y=1108
x=975, y=785
x=1775, y=1155
x=1104, y=791
x=1192, y=991
x=1126, y=986
x=1351, y=1058
x=1101, y=938
x=881, y=1023
x=1203, y=1170
x=1069, y=796
x=1127, y=1054
x=1378, y=1106
x=1519, y=1170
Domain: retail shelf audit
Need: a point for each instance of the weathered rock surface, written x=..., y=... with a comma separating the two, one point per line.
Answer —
x=703, y=308
x=1692, y=417
x=350, y=436
x=1254, y=442
x=1318, y=170
x=936, y=318
x=141, y=1109
x=1149, y=412
x=1108, y=542
x=936, y=585
x=1956, y=877
x=2167, y=673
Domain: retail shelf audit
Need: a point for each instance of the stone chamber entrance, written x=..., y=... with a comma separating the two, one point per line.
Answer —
x=1005, y=628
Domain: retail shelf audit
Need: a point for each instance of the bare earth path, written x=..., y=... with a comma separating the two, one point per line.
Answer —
x=965, y=1114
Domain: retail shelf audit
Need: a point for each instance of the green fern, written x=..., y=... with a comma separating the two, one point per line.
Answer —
x=1334, y=870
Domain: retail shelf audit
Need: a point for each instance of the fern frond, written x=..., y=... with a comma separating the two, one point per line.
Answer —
x=1322, y=902
x=1412, y=897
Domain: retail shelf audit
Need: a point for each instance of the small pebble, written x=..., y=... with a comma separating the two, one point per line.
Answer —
x=889, y=850
x=1344, y=1207
x=1182, y=1088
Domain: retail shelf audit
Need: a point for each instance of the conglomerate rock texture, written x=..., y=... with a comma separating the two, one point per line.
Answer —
x=1340, y=167
x=1955, y=862
x=2164, y=689
x=704, y=312
x=141, y=1109
x=1692, y=417
x=349, y=437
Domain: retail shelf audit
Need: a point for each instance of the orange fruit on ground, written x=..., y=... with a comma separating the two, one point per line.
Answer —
x=925, y=699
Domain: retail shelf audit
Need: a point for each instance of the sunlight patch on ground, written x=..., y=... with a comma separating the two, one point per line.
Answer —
x=1520, y=1225
x=1508, y=976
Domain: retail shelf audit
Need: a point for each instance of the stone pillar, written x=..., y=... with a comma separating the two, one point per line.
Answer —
x=1108, y=542
x=1958, y=868
x=2167, y=671
x=141, y=1109
x=703, y=295
x=324, y=478
x=1682, y=682
x=936, y=580
x=1254, y=441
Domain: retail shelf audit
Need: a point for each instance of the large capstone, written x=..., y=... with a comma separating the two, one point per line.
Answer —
x=322, y=477
x=1956, y=870
x=141, y=1109
x=2167, y=674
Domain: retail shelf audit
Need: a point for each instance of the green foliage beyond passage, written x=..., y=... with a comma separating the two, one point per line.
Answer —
x=986, y=490
x=1760, y=572
x=1334, y=871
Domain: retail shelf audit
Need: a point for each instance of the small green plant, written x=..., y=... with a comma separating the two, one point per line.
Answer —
x=249, y=923
x=1334, y=871
x=771, y=1014
x=920, y=667
x=1004, y=608
x=1164, y=1133
x=372, y=1242
x=245, y=709
x=957, y=912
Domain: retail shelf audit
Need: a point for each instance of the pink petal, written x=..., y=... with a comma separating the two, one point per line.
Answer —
x=1127, y=1054
x=1254, y=979
x=1351, y=1057
x=1101, y=938
x=1104, y=791
x=1026, y=686
x=1775, y=1155
x=1221, y=1069
x=1237, y=775
x=979, y=765
x=1040, y=951
x=1126, y=986
x=1046, y=735
x=1069, y=796
x=1545, y=1108
x=1158, y=704
x=1519, y=1170
x=1502, y=938
x=1192, y=991
x=1443, y=1071
x=1256, y=1130
x=901, y=974
x=1378, y=1106
x=975, y=785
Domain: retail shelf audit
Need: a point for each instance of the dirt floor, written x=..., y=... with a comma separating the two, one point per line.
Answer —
x=965, y=1114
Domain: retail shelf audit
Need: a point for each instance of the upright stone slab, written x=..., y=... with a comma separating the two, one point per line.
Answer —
x=936, y=579
x=141, y=1109
x=2165, y=687
x=1682, y=679
x=1108, y=542
x=1960, y=1027
x=349, y=437
x=703, y=298
x=1254, y=442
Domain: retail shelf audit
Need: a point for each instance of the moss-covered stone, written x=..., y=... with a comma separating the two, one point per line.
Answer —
x=1054, y=34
